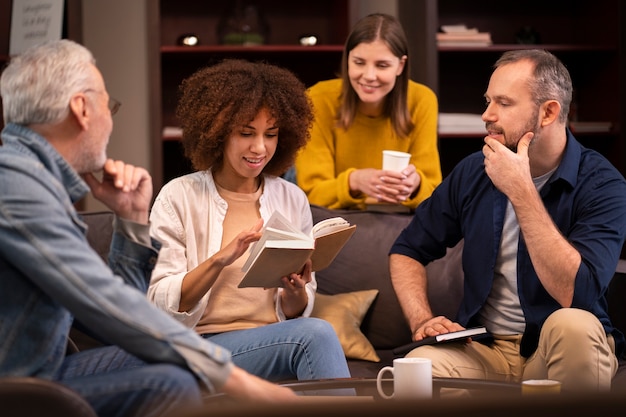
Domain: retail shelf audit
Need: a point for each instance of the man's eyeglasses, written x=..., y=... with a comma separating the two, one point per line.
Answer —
x=114, y=105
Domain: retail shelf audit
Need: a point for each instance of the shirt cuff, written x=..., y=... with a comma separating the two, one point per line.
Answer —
x=133, y=231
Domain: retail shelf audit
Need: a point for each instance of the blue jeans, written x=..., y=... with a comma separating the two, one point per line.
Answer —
x=302, y=348
x=116, y=383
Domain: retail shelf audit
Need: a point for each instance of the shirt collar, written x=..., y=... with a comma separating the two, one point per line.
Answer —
x=568, y=168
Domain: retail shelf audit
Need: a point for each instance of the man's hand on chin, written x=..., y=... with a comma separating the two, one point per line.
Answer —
x=124, y=188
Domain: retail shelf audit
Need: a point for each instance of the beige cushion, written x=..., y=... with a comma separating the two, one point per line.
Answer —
x=345, y=313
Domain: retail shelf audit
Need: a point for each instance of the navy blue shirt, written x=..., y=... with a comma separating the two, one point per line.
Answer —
x=586, y=198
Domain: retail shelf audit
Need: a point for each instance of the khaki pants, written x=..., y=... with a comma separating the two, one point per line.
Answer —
x=573, y=348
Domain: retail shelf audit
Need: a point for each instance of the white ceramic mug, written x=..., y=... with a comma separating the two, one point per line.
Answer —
x=412, y=378
x=395, y=160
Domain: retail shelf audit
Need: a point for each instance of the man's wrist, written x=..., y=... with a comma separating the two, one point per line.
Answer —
x=134, y=231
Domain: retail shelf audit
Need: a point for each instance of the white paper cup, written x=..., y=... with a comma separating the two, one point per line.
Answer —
x=412, y=378
x=395, y=160
x=540, y=386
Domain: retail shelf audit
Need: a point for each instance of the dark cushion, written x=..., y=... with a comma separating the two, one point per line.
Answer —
x=99, y=230
x=362, y=265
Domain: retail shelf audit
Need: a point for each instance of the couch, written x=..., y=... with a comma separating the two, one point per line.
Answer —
x=355, y=292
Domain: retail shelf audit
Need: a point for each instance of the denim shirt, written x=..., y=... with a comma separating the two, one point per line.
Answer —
x=586, y=199
x=49, y=275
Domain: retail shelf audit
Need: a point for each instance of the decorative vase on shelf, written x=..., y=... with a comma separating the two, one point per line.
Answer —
x=243, y=25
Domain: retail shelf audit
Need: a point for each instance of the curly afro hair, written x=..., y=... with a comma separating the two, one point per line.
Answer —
x=220, y=98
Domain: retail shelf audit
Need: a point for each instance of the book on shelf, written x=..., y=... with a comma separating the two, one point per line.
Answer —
x=475, y=333
x=460, y=28
x=463, y=41
x=465, y=123
x=470, y=37
x=460, y=35
x=172, y=132
x=283, y=249
x=464, y=44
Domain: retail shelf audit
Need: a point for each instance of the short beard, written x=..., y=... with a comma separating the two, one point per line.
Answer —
x=532, y=125
x=90, y=163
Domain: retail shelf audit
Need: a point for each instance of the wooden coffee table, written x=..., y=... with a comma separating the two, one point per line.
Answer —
x=504, y=400
x=367, y=386
x=364, y=389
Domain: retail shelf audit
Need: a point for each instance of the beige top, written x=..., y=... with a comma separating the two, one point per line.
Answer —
x=231, y=308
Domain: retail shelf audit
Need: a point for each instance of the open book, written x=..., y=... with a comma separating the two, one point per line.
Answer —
x=283, y=249
x=475, y=333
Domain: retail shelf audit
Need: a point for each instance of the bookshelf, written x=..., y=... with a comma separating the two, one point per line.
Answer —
x=586, y=36
x=287, y=22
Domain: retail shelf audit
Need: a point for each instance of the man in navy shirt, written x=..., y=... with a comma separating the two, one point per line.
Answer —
x=543, y=221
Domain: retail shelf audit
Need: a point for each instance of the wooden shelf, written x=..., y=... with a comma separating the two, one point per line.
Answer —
x=598, y=48
x=461, y=135
x=472, y=135
x=260, y=49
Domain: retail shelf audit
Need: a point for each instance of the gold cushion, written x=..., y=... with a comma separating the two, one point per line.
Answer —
x=345, y=312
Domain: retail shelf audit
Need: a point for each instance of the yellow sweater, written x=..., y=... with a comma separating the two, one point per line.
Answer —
x=324, y=165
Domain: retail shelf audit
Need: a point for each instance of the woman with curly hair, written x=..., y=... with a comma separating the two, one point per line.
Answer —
x=243, y=123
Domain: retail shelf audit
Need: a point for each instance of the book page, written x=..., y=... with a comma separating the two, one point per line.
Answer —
x=327, y=226
x=276, y=228
x=276, y=244
x=279, y=222
x=278, y=234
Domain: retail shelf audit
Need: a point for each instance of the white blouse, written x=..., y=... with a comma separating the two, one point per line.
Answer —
x=187, y=218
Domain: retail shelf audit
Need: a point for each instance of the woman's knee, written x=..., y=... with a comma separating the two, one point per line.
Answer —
x=317, y=329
